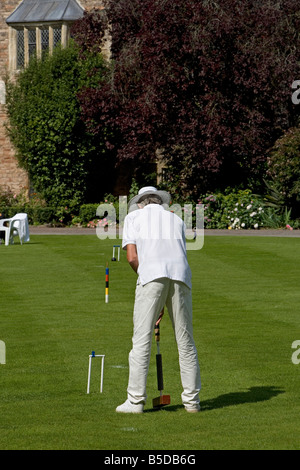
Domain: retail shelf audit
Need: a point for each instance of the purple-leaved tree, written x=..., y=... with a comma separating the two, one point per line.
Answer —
x=205, y=83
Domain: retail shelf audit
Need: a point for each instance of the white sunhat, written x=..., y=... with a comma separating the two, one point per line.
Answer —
x=147, y=191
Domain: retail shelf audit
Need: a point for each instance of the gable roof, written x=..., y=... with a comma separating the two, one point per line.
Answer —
x=30, y=11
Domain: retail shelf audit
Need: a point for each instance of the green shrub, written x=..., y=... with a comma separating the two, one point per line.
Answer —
x=36, y=215
x=284, y=169
x=233, y=209
x=87, y=212
x=45, y=126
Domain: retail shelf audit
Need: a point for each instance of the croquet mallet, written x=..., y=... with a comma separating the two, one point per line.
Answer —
x=162, y=400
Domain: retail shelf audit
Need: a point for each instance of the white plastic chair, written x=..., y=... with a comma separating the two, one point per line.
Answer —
x=6, y=229
x=17, y=225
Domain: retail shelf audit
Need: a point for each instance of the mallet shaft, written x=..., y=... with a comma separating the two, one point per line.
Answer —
x=160, y=380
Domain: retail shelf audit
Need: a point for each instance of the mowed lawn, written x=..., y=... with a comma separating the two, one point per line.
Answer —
x=246, y=316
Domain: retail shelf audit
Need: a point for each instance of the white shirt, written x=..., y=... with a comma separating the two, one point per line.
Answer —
x=159, y=236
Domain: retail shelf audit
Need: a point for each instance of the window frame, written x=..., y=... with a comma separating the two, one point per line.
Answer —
x=38, y=27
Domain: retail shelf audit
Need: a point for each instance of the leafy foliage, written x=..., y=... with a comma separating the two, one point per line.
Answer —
x=45, y=126
x=284, y=169
x=208, y=82
x=233, y=209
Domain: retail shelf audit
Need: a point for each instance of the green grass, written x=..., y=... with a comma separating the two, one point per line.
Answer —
x=246, y=316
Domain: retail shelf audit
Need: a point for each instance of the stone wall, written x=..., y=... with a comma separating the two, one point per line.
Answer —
x=11, y=175
x=89, y=4
x=6, y=8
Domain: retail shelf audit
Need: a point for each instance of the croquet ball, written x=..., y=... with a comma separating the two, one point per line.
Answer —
x=114, y=259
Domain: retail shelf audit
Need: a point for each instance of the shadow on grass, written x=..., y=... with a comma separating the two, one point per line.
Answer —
x=252, y=395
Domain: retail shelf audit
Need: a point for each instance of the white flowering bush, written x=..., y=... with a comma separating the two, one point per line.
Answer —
x=244, y=216
x=233, y=210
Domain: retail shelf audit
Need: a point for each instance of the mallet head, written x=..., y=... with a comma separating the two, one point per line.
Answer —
x=160, y=401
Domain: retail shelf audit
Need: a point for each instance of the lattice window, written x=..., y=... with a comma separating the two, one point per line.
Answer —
x=56, y=36
x=45, y=39
x=31, y=42
x=20, y=48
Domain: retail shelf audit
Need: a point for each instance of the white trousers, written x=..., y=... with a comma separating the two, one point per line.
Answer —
x=149, y=301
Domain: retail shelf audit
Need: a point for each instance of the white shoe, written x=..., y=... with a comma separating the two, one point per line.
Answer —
x=128, y=407
x=192, y=408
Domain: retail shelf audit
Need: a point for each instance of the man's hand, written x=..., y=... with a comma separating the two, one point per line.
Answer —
x=132, y=257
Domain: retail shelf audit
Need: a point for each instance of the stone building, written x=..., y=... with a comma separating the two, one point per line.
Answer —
x=28, y=27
